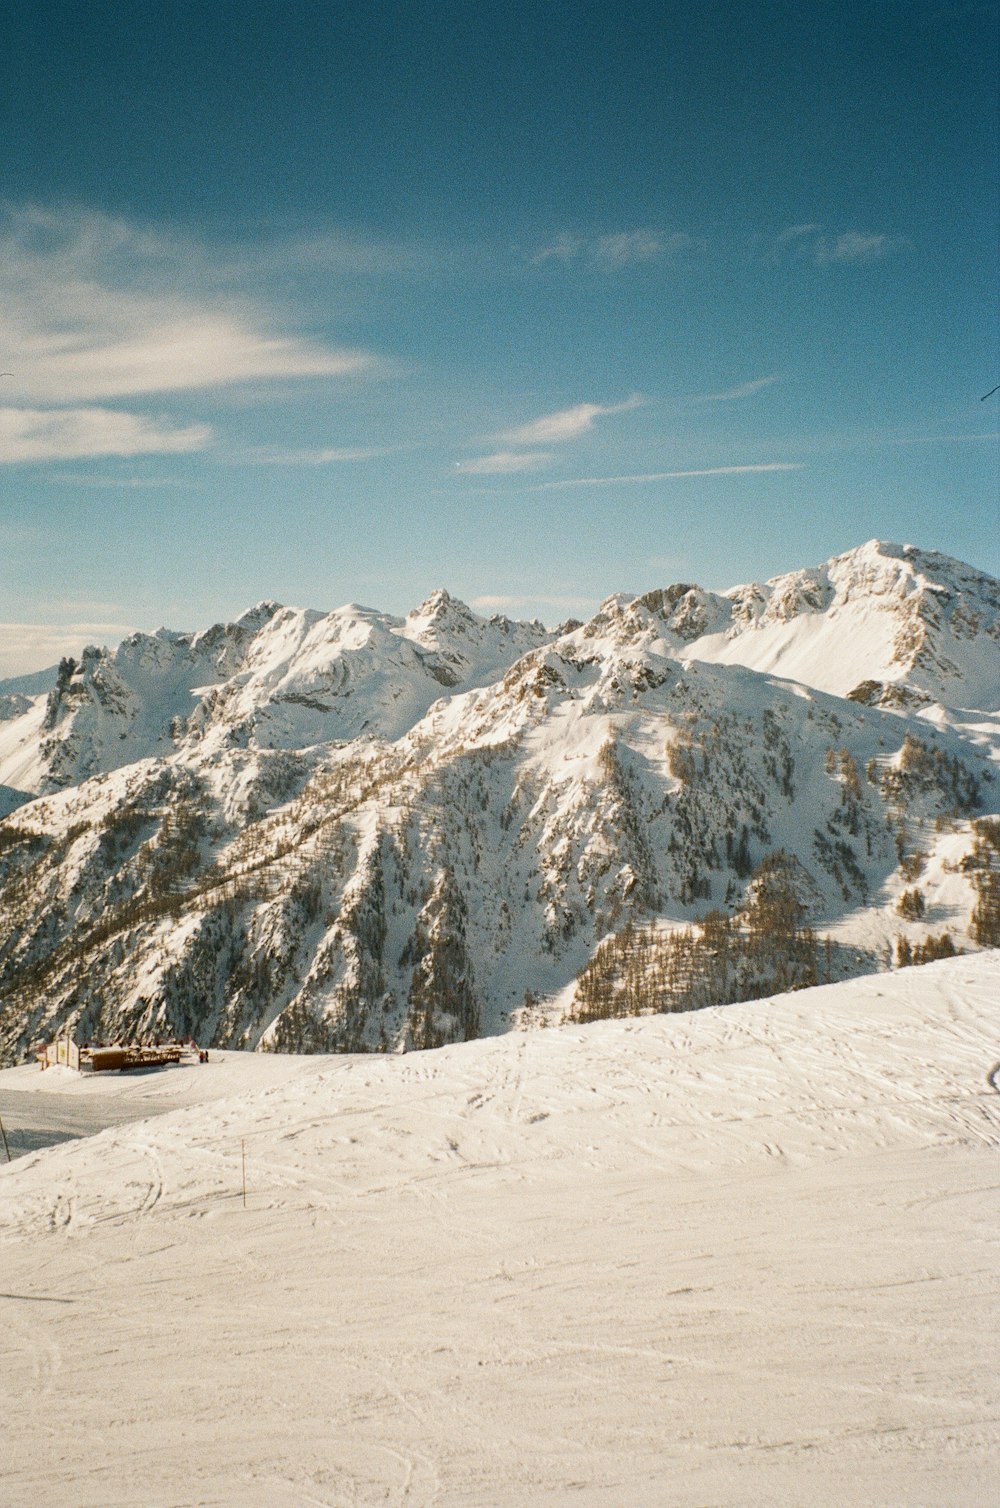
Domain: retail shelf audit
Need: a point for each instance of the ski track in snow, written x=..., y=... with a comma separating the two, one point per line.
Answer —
x=746, y=1255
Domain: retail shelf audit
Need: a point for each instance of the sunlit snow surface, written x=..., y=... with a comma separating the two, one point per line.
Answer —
x=744, y=1256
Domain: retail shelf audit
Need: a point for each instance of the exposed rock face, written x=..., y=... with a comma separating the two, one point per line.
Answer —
x=347, y=831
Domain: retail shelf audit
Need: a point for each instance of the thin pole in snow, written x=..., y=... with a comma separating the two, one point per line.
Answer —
x=243, y=1151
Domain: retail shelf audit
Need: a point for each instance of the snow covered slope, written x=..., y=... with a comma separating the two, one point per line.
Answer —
x=745, y=1255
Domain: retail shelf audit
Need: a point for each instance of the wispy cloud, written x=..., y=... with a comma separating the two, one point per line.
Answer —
x=166, y=351
x=567, y=423
x=321, y=457
x=501, y=603
x=664, y=476
x=550, y=429
x=503, y=462
x=564, y=248
x=853, y=246
x=626, y=247
x=31, y=434
x=744, y=390
x=990, y=434
x=92, y=308
x=27, y=647
x=615, y=250
x=793, y=233
x=825, y=248
x=125, y=483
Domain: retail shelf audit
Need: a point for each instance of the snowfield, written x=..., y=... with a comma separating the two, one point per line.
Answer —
x=741, y=1256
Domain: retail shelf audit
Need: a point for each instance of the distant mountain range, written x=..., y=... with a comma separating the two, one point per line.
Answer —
x=349, y=831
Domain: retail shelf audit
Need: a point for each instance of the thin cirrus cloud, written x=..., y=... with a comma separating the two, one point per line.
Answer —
x=329, y=456
x=503, y=463
x=743, y=390
x=626, y=247
x=565, y=248
x=663, y=476
x=160, y=350
x=613, y=251
x=93, y=309
x=550, y=429
x=797, y=234
x=567, y=423
x=853, y=246
x=504, y=603
x=990, y=434
x=31, y=434
x=120, y=483
x=823, y=248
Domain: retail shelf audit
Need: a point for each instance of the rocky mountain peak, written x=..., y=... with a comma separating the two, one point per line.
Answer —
x=439, y=606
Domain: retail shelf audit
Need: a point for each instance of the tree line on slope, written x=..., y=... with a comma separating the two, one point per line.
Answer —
x=763, y=949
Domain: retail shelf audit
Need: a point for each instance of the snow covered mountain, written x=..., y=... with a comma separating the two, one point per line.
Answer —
x=276, y=678
x=349, y=831
x=884, y=624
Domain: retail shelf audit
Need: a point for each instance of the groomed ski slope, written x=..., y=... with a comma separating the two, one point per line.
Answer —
x=743, y=1256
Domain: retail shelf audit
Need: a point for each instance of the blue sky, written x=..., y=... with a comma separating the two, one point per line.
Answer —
x=536, y=302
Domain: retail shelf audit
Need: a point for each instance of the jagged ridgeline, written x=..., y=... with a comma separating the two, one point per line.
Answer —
x=350, y=832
